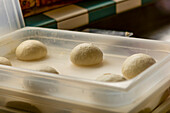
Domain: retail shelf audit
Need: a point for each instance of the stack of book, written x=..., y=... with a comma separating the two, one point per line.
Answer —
x=68, y=14
x=32, y=7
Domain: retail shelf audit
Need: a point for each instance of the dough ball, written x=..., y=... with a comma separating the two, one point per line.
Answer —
x=86, y=54
x=36, y=85
x=5, y=61
x=47, y=69
x=136, y=64
x=19, y=105
x=109, y=77
x=31, y=50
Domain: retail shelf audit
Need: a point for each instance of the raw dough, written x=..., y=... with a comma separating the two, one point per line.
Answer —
x=24, y=106
x=109, y=77
x=47, y=69
x=86, y=54
x=136, y=64
x=5, y=61
x=31, y=50
x=39, y=86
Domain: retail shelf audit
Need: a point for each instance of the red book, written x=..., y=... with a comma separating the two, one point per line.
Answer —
x=32, y=7
x=47, y=2
x=26, y=4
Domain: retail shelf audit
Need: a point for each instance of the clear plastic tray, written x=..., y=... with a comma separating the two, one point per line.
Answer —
x=11, y=16
x=76, y=85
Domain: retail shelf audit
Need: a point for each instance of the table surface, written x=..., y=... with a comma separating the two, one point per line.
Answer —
x=149, y=22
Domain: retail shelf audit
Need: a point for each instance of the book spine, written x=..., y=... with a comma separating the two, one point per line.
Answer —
x=26, y=4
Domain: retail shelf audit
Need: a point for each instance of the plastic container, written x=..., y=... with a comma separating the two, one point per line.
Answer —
x=11, y=16
x=75, y=90
x=117, y=97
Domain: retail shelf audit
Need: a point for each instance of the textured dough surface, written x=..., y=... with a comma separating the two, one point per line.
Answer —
x=47, y=69
x=109, y=77
x=136, y=64
x=86, y=54
x=31, y=50
x=5, y=61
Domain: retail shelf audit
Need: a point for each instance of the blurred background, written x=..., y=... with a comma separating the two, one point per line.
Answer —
x=150, y=19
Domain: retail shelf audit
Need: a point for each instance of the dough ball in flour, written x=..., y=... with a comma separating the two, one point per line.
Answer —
x=109, y=77
x=47, y=69
x=136, y=64
x=5, y=61
x=86, y=54
x=31, y=50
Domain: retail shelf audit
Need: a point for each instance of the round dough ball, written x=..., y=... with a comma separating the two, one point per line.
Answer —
x=109, y=77
x=5, y=61
x=35, y=85
x=47, y=69
x=86, y=54
x=31, y=50
x=136, y=64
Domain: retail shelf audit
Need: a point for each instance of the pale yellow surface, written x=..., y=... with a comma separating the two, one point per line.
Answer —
x=127, y=5
x=66, y=12
x=74, y=22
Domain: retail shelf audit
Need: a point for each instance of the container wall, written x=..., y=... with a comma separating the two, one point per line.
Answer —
x=116, y=97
